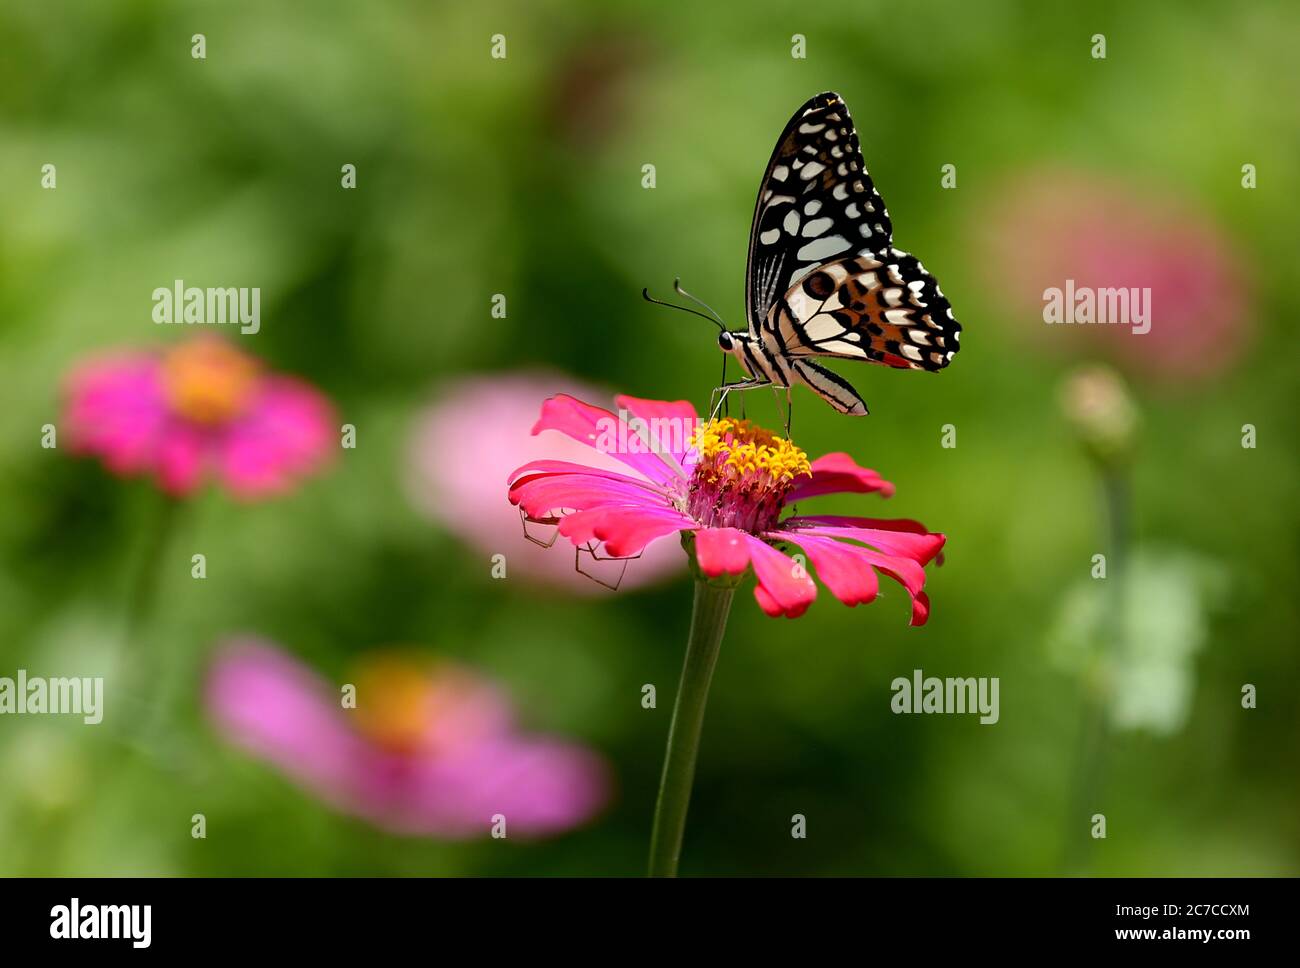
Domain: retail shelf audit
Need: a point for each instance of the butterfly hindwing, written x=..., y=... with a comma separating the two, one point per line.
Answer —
x=882, y=307
x=816, y=203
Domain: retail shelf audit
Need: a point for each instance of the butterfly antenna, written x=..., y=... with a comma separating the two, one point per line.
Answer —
x=645, y=294
x=677, y=284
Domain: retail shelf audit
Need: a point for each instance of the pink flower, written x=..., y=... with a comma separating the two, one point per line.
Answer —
x=476, y=432
x=1057, y=226
x=197, y=409
x=430, y=749
x=726, y=484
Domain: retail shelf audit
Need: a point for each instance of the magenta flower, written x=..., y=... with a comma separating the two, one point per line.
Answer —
x=1059, y=226
x=202, y=408
x=430, y=749
x=727, y=485
x=484, y=422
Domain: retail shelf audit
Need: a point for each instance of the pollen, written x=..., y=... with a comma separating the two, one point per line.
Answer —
x=738, y=447
x=208, y=381
x=395, y=701
x=743, y=474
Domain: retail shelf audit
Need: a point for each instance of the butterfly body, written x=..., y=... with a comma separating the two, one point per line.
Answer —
x=823, y=277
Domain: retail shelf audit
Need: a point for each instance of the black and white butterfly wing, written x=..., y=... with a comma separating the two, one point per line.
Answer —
x=816, y=203
x=883, y=307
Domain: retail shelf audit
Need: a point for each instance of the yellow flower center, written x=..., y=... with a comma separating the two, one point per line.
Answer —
x=395, y=701
x=413, y=704
x=743, y=475
x=735, y=448
x=208, y=381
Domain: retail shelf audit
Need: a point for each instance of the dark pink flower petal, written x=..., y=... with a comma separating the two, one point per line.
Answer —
x=603, y=431
x=920, y=609
x=536, y=468
x=180, y=459
x=624, y=531
x=115, y=410
x=783, y=587
x=838, y=473
x=906, y=538
x=669, y=424
x=287, y=434
x=906, y=571
x=850, y=578
x=540, y=494
x=720, y=550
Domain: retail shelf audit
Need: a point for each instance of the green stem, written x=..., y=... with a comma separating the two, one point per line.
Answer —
x=708, y=622
x=1090, y=769
x=144, y=592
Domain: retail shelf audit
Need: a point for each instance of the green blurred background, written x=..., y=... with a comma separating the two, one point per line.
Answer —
x=523, y=176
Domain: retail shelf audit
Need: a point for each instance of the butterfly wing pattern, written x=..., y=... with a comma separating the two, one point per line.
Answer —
x=823, y=277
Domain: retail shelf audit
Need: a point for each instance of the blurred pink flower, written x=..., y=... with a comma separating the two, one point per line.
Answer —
x=1052, y=226
x=429, y=750
x=472, y=437
x=199, y=408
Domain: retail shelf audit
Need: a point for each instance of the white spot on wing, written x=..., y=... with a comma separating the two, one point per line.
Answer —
x=816, y=227
x=823, y=248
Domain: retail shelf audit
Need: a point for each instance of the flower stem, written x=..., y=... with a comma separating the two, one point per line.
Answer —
x=708, y=622
x=1090, y=765
x=144, y=662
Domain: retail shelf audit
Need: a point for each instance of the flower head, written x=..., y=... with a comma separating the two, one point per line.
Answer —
x=726, y=484
x=1106, y=236
x=430, y=748
x=197, y=409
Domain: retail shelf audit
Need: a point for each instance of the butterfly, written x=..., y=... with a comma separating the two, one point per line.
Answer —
x=823, y=278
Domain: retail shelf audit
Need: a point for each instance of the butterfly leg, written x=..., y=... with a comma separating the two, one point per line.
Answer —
x=831, y=387
x=725, y=389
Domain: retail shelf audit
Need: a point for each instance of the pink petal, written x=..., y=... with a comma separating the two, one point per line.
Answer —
x=850, y=578
x=669, y=424
x=721, y=550
x=541, y=494
x=623, y=530
x=281, y=711
x=597, y=428
x=288, y=432
x=537, y=468
x=905, y=571
x=116, y=411
x=782, y=588
x=920, y=609
x=539, y=785
x=839, y=473
x=908, y=539
x=181, y=459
